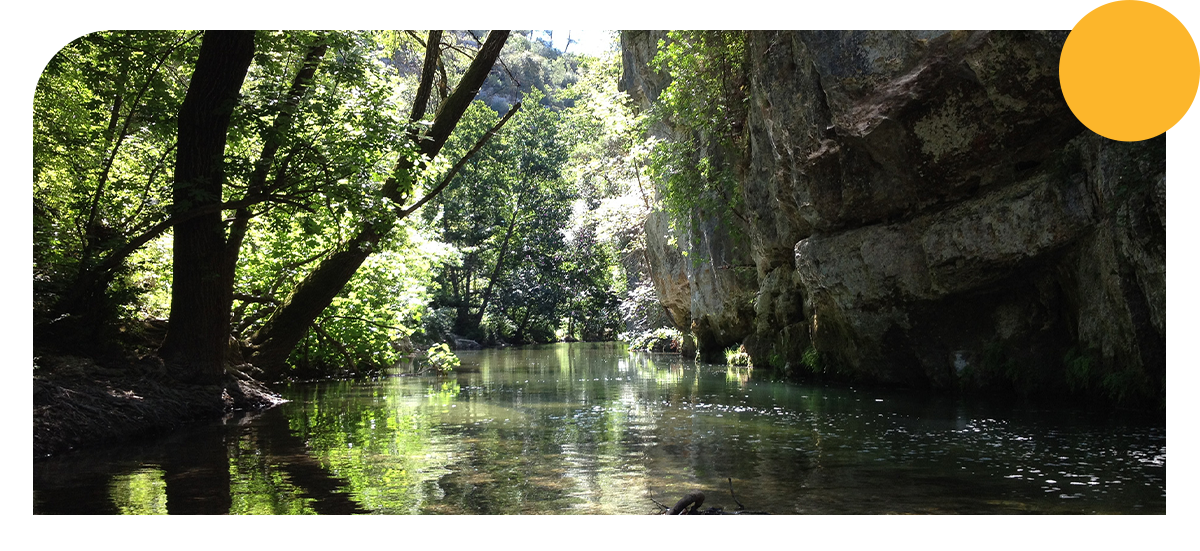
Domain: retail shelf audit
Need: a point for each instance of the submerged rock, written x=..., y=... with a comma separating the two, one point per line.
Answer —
x=457, y=342
x=924, y=209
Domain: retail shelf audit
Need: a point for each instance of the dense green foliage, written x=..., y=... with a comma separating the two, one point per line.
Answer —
x=737, y=356
x=502, y=214
x=351, y=133
x=704, y=106
x=545, y=221
x=662, y=339
x=104, y=134
x=440, y=359
x=537, y=237
x=608, y=168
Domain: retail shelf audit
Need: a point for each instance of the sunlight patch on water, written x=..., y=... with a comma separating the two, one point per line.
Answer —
x=141, y=492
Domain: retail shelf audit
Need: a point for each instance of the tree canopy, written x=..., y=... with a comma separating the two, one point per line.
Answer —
x=256, y=187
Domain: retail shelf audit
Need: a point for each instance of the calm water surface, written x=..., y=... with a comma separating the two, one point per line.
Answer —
x=593, y=429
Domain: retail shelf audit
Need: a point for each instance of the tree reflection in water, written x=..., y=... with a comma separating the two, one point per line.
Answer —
x=590, y=429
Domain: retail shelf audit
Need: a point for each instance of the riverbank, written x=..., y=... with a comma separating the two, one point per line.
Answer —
x=80, y=402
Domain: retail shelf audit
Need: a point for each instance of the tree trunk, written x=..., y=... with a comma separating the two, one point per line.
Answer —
x=272, y=141
x=199, y=330
x=487, y=293
x=274, y=342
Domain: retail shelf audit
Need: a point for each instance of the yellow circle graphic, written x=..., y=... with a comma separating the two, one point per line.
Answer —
x=1129, y=70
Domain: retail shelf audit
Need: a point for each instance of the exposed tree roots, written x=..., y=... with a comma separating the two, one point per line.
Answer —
x=78, y=403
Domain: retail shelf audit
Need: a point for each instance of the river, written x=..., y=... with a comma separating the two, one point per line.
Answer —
x=593, y=429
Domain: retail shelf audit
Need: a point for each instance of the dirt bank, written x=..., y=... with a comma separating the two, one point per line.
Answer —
x=78, y=402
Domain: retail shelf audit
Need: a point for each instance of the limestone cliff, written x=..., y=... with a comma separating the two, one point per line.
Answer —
x=704, y=277
x=923, y=209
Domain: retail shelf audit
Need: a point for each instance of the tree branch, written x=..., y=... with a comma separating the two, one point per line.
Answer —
x=369, y=322
x=104, y=171
x=253, y=298
x=483, y=140
x=149, y=181
x=118, y=256
x=416, y=37
x=341, y=348
x=735, y=499
x=421, y=102
x=248, y=321
x=502, y=64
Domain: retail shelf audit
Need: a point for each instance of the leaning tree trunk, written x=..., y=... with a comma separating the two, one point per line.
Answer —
x=273, y=139
x=199, y=330
x=272, y=344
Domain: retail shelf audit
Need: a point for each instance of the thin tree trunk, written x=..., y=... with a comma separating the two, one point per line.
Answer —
x=487, y=293
x=274, y=342
x=272, y=140
x=432, y=53
x=198, y=334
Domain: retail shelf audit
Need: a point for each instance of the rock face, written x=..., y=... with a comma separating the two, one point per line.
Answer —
x=704, y=277
x=923, y=209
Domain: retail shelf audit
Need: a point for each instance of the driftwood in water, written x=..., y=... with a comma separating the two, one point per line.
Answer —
x=694, y=499
x=690, y=505
x=735, y=499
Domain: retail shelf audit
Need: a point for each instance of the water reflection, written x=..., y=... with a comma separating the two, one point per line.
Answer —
x=596, y=430
x=738, y=376
x=141, y=492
